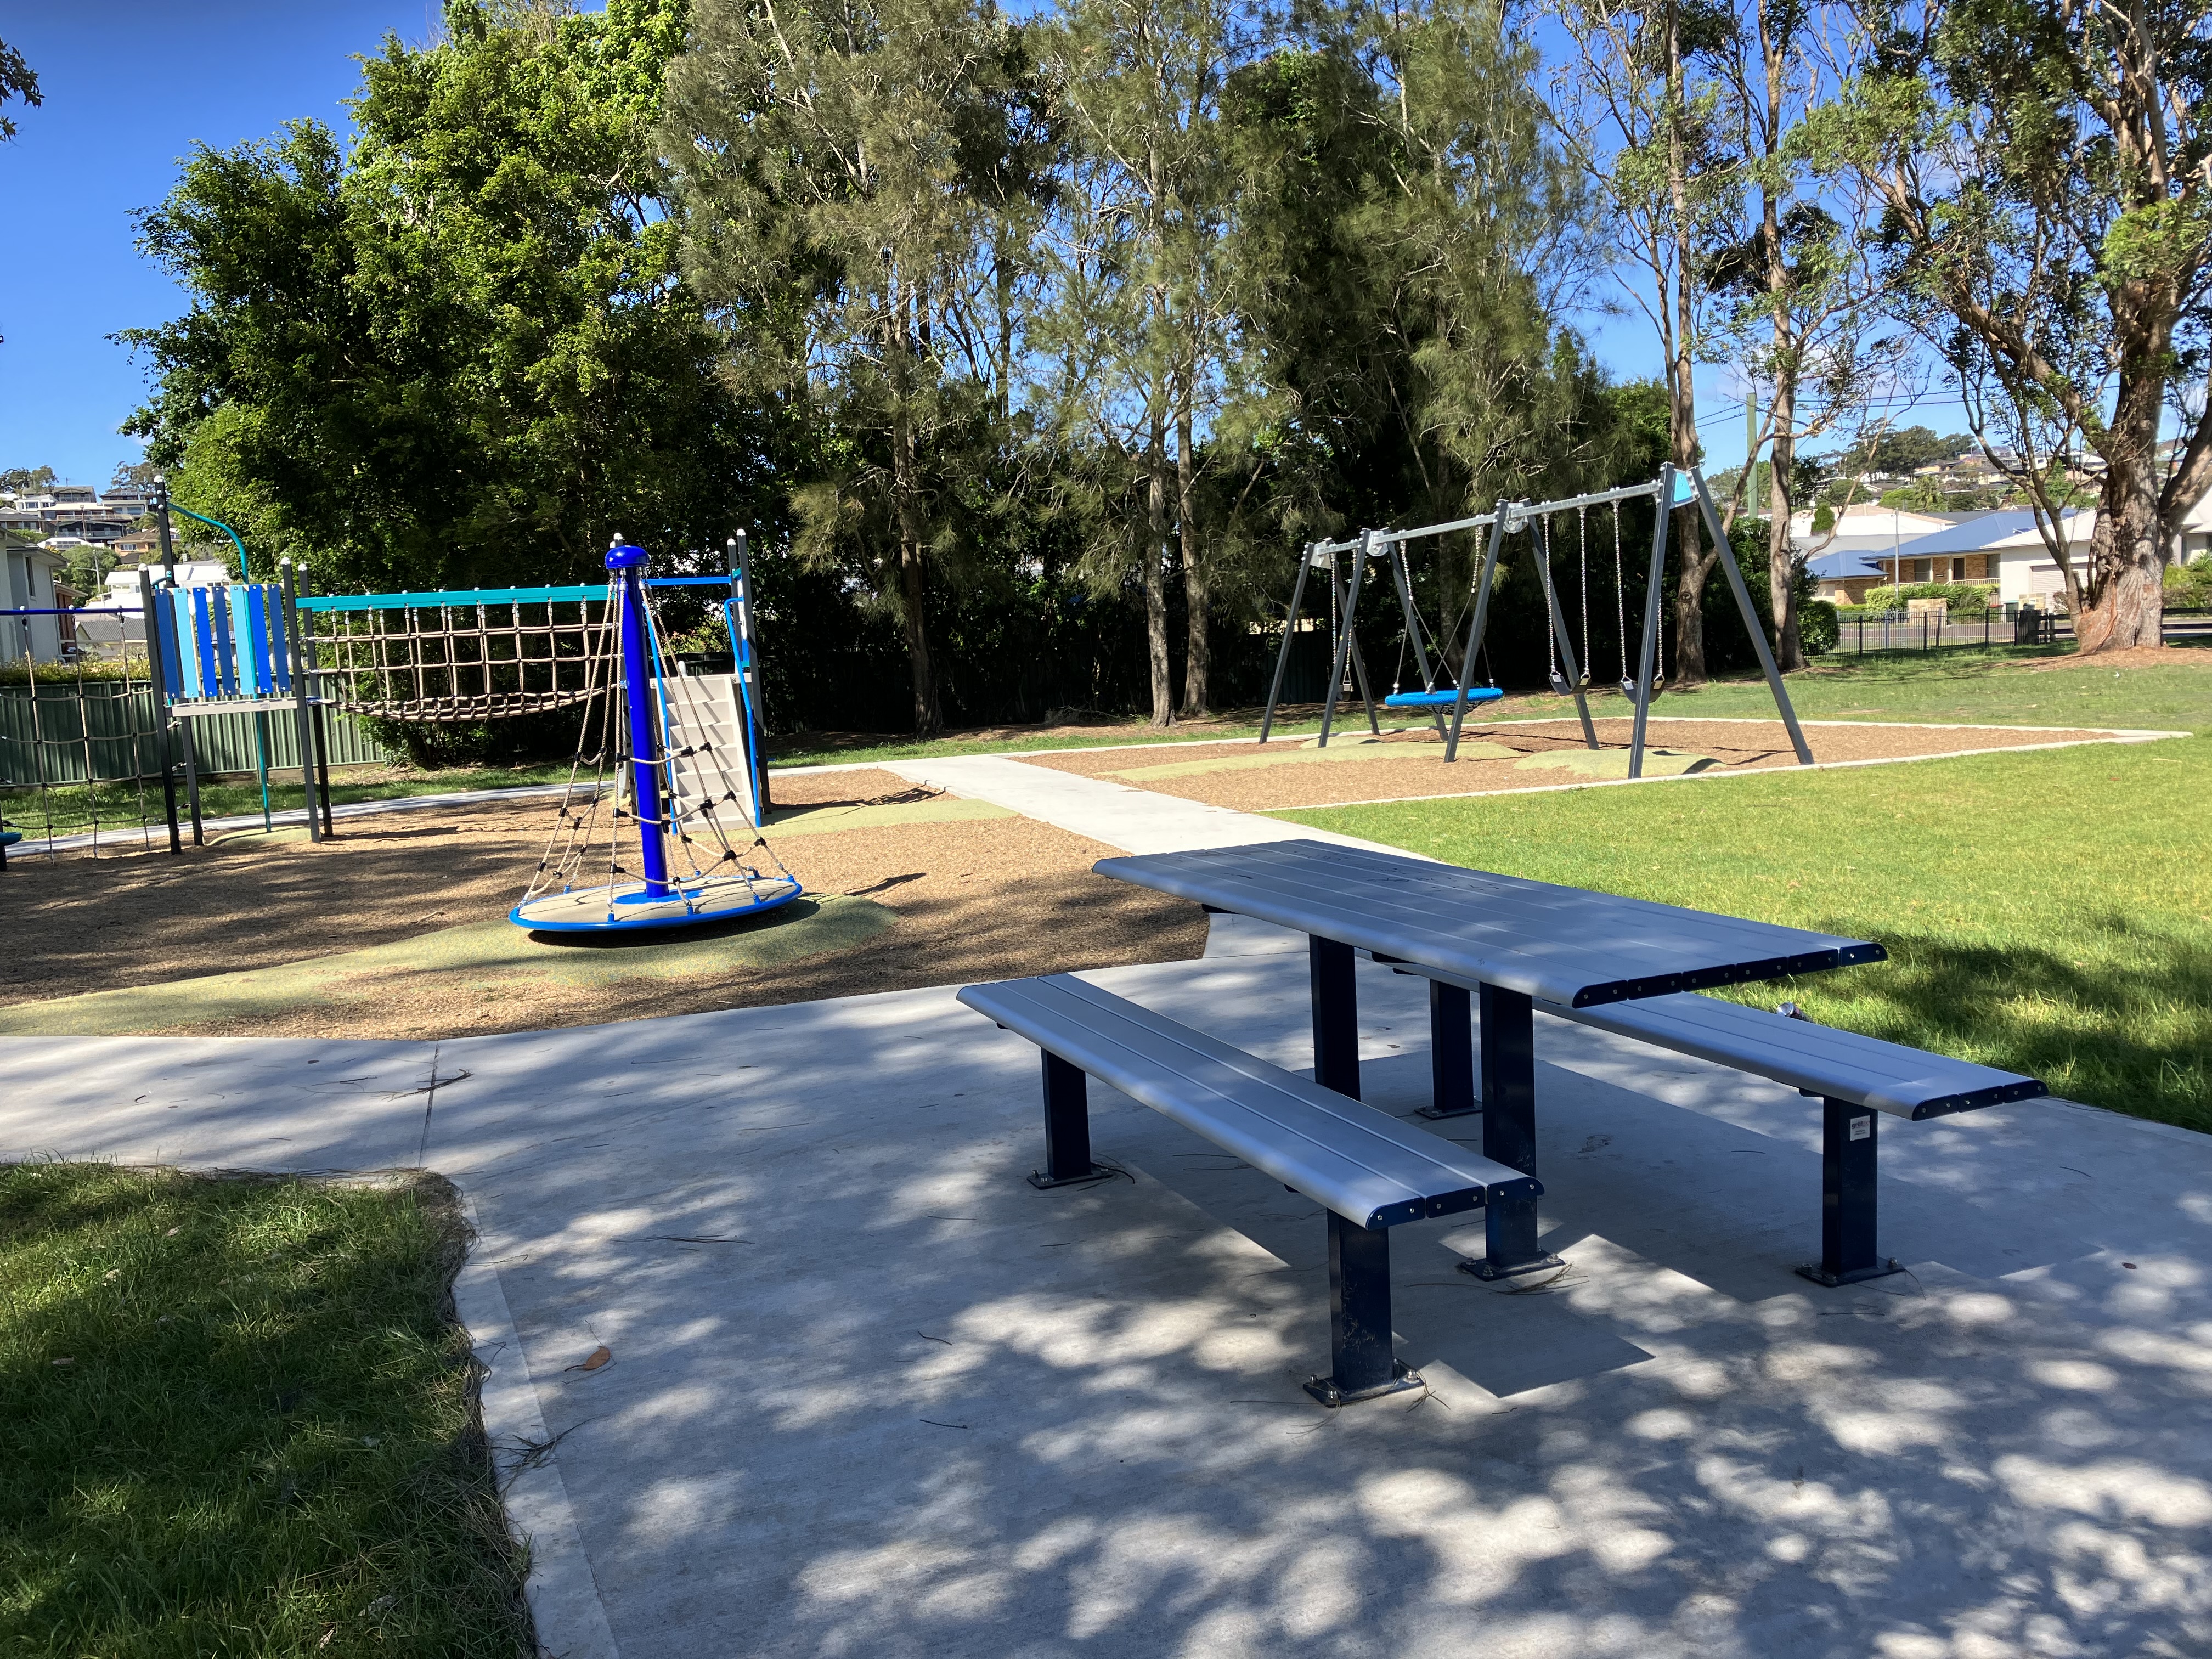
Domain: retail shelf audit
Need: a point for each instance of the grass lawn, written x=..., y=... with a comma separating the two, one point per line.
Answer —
x=236, y=1417
x=118, y=805
x=2046, y=913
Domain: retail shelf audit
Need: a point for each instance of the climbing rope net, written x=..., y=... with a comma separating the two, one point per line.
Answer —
x=456, y=658
x=700, y=798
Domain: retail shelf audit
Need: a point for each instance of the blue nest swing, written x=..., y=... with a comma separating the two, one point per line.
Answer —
x=1440, y=699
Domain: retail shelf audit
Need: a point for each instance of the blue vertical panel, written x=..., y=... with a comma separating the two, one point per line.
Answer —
x=205, y=671
x=189, y=683
x=272, y=611
x=246, y=643
x=219, y=615
x=165, y=633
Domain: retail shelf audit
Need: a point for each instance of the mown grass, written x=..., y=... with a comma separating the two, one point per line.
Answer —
x=72, y=809
x=236, y=1417
x=2046, y=913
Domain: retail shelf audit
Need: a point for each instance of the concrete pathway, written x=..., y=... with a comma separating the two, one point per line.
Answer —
x=873, y=1393
x=1135, y=820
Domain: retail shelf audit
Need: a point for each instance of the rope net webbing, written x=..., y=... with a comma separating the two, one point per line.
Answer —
x=458, y=663
x=603, y=743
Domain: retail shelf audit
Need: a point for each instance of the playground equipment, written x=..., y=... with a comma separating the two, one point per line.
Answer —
x=670, y=743
x=1567, y=674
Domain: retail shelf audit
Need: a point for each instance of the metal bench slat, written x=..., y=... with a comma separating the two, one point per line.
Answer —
x=1865, y=1071
x=1362, y=1164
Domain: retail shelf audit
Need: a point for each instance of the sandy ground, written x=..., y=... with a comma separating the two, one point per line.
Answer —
x=990, y=898
x=1496, y=757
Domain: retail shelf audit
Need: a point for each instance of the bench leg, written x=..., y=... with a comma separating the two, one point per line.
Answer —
x=1335, y=1015
x=1361, y=1364
x=1451, y=1054
x=1850, y=1137
x=1067, y=1125
x=1509, y=1132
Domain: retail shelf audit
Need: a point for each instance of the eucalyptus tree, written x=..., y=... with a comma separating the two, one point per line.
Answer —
x=1142, y=331
x=20, y=80
x=848, y=173
x=1641, y=110
x=2043, y=173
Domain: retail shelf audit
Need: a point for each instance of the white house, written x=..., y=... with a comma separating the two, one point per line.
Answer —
x=27, y=583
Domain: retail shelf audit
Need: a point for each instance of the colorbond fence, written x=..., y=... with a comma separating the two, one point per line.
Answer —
x=105, y=732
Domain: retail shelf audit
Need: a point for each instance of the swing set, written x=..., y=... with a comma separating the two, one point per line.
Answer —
x=1568, y=675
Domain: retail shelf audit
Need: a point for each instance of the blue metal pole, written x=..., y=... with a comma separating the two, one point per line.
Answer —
x=638, y=670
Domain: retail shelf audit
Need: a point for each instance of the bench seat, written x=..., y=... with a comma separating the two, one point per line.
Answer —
x=1855, y=1076
x=1368, y=1169
x=1820, y=1059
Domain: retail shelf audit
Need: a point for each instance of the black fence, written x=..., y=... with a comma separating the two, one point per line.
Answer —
x=1934, y=630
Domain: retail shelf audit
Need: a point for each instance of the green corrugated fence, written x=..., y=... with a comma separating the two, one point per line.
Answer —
x=76, y=737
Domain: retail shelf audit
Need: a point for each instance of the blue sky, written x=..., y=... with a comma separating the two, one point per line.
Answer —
x=131, y=87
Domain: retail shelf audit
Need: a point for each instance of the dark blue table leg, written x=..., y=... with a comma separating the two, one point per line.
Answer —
x=1067, y=1125
x=1361, y=1364
x=1509, y=1132
x=1335, y=1015
x=1849, y=1136
x=1451, y=1054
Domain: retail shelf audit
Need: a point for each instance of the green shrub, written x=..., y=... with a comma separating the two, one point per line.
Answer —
x=1817, y=626
x=1958, y=596
x=2189, y=587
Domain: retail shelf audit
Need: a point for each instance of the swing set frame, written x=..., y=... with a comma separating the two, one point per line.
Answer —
x=1505, y=519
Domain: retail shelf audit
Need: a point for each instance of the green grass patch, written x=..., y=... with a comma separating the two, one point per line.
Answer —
x=2046, y=913
x=236, y=1417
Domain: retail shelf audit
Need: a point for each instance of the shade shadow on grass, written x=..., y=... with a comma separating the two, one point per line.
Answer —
x=237, y=1416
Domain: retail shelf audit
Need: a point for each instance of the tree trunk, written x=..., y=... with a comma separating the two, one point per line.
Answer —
x=928, y=715
x=2126, y=604
x=1697, y=560
x=1197, y=659
x=1781, y=557
x=1155, y=557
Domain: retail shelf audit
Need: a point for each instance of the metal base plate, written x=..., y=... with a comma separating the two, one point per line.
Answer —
x=1044, y=1183
x=1435, y=1116
x=617, y=909
x=1484, y=1270
x=1820, y=1275
x=1323, y=1389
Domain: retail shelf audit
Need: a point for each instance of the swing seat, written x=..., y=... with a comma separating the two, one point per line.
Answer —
x=619, y=908
x=1440, y=699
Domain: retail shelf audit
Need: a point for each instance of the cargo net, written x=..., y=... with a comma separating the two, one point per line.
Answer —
x=597, y=831
x=448, y=664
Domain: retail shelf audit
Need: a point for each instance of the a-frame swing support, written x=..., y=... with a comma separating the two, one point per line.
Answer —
x=1514, y=516
x=1344, y=645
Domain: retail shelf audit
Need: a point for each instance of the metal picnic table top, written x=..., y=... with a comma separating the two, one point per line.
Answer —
x=1561, y=944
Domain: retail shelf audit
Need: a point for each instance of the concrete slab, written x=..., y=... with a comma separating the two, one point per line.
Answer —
x=873, y=1395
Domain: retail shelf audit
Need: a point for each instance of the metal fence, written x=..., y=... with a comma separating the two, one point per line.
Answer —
x=1929, y=630
x=103, y=731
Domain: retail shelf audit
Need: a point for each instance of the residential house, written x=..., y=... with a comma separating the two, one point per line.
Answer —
x=29, y=578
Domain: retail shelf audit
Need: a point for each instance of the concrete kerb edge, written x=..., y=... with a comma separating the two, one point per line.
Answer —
x=2117, y=737
x=569, y=1618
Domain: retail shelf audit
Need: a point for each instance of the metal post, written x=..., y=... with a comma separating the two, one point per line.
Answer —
x=192, y=782
x=1509, y=1132
x=1067, y=1125
x=1344, y=645
x=628, y=564
x=1335, y=1015
x=1366, y=691
x=1361, y=1364
x=1647, y=652
x=1474, y=630
x=745, y=660
x=261, y=761
x=161, y=524
x=1752, y=624
x=159, y=686
x=1849, y=1143
x=1559, y=625
x=1451, y=1053
x=296, y=629
x=1306, y=558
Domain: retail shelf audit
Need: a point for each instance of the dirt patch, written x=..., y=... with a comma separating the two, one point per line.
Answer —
x=1496, y=757
x=990, y=898
x=2135, y=656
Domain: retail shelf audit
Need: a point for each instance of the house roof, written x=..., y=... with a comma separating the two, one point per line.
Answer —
x=1982, y=530
x=1840, y=566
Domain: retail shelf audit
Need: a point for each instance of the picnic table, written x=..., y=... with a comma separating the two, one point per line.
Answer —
x=1510, y=940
